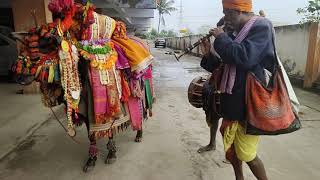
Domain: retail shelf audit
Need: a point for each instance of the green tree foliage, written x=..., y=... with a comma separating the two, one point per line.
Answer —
x=310, y=13
x=171, y=33
x=164, y=33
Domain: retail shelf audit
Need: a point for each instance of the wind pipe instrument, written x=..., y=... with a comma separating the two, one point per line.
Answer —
x=196, y=44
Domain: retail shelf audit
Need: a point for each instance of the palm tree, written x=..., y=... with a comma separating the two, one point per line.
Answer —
x=164, y=7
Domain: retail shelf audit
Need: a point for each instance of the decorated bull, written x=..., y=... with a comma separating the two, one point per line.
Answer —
x=87, y=62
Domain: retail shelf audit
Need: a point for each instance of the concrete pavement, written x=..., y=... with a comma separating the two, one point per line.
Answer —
x=20, y=116
x=171, y=139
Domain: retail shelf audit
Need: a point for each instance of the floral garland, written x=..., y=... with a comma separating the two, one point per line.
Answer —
x=70, y=80
x=97, y=49
x=94, y=42
x=100, y=59
x=108, y=63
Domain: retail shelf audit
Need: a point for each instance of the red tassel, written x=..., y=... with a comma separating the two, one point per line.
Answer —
x=66, y=23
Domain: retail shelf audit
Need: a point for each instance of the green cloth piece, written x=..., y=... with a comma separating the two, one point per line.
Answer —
x=148, y=93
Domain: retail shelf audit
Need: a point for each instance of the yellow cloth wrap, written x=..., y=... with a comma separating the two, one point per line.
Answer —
x=240, y=5
x=143, y=43
x=139, y=58
x=38, y=71
x=245, y=145
x=51, y=74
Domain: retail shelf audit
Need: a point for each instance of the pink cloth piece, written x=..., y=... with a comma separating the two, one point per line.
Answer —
x=230, y=71
x=136, y=89
x=148, y=75
x=135, y=108
x=100, y=98
x=122, y=62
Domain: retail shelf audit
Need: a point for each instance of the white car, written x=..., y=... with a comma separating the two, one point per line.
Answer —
x=8, y=55
x=160, y=42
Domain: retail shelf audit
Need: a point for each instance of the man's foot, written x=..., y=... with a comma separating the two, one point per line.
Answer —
x=138, y=137
x=207, y=148
x=226, y=161
x=90, y=164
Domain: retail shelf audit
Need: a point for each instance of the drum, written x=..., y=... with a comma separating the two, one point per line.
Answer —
x=195, y=91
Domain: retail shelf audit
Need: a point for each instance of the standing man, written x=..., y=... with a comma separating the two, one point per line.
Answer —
x=210, y=62
x=250, y=48
x=212, y=118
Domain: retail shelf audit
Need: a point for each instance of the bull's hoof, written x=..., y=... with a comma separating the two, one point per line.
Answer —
x=111, y=158
x=90, y=164
x=138, y=138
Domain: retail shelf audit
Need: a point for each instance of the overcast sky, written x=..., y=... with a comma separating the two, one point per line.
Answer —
x=207, y=12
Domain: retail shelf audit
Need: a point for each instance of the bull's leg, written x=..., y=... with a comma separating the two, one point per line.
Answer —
x=93, y=152
x=111, y=146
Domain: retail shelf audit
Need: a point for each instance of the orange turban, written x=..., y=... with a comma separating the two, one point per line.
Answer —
x=240, y=5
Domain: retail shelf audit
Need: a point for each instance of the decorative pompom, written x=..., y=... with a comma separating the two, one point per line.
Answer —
x=59, y=6
x=54, y=6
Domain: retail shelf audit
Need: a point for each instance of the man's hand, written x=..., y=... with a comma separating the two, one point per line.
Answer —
x=216, y=31
x=205, y=47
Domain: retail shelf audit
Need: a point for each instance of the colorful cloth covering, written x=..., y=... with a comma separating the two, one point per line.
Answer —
x=140, y=42
x=237, y=143
x=122, y=62
x=103, y=26
x=136, y=112
x=102, y=105
x=149, y=87
x=105, y=97
x=105, y=125
x=139, y=57
x=240, y=5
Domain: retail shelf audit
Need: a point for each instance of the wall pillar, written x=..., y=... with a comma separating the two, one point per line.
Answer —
x=313, y=59
x=23, y=20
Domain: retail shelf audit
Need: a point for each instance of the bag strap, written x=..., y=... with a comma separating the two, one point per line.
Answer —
x=277, y=62
x=246, y=29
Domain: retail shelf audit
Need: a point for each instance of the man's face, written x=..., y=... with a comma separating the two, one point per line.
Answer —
x=232, y=18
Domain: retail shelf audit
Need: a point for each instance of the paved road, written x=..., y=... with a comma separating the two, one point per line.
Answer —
x=171, y=138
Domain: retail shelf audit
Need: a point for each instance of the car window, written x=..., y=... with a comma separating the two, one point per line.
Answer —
x=3, y=42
